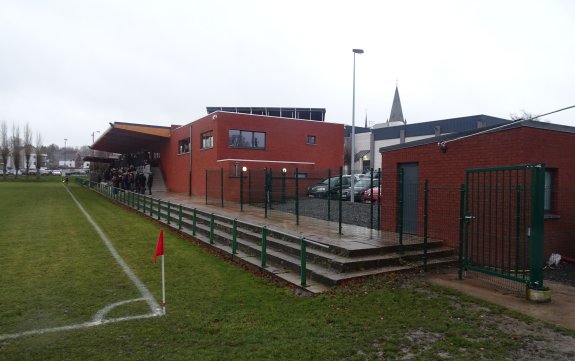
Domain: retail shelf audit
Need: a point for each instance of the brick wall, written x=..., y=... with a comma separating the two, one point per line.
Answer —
x=522, y=145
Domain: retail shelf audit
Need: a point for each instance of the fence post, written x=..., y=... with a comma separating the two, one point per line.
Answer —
x=329, y=194
x=297, y=196
x=212, y=220
x=339, y=193
x=222, y=185
x=425, y=221
x=235, y=236
x=144, y=205
x=303, y=256
x=370, y=203
x=194, y=222
x=180, y=217
x=241, y=190
x=379, y=177
x=537, y=204
x=266, y=193
x=250, y=186
x=461, y=232
x=151, y=207
x=264, y=246
x=401, y=195
x=206, y=186
x=169, y=215
x=283, y=186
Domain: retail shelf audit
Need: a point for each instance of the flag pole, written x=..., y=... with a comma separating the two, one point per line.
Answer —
x=163, y=288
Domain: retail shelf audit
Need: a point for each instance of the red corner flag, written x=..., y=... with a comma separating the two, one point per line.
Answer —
x=160, y=245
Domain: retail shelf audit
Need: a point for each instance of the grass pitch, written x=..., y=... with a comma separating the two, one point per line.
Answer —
x=56, y=271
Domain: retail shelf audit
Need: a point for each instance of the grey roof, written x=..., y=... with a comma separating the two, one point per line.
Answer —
x=358, y=130
x=493, y=128
x=396, y=115
x=445, y=126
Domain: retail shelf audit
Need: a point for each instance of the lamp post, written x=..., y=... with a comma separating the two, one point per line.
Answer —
x=93, y=133
x=352, y=158
x=65, y=160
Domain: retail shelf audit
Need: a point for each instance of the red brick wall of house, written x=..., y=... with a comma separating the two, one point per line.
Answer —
x=521, y=145
x=285, y=148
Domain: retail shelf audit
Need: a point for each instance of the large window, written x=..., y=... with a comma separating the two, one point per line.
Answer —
x=207, y=140
x=246, y=139
x=184, y=146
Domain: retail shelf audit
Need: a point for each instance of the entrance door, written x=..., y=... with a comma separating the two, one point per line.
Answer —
x=410, y=196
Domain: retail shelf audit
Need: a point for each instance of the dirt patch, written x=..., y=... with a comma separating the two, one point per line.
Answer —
x=564, y=273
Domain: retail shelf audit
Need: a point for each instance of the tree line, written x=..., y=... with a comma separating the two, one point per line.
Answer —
x=21, y=144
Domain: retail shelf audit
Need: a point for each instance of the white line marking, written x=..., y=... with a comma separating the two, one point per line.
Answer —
x=154, y=305
x=99, y=317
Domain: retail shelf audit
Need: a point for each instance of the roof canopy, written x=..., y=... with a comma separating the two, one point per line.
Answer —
x=131, y=138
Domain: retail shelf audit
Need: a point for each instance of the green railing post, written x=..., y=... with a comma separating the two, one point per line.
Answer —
x=537, y=213
x=250, y=186
x=144, y=205
x=266, y=191
x=138, y=201
x=151, y=207
x=212, y=221
x=283, y=187
x=425, y=221
x=297, y=196
x=206, y=186
x=235, y=236
x=194, y=222
x=303, y=257
x=180, y=217
x=169, y=215
x=264, y=246
x=159, y=208
x=517, y=226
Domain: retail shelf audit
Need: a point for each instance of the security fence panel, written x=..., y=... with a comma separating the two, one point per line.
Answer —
x=503, y=223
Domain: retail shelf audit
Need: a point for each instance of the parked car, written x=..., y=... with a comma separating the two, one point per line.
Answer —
x=358, y=189
x=57, y=172
x=329, y=187
x=371, y=195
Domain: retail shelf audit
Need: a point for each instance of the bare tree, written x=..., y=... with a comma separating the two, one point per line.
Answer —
x=27, y=146
x=4, y=147
x=16, y=145
x=522, y=115
x=38, y=154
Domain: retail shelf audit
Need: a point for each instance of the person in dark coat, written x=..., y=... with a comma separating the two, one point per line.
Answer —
x=150, y=182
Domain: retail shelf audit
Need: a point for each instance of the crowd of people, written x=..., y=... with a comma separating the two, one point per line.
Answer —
x=129, y=178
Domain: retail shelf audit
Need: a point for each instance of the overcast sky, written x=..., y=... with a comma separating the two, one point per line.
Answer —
x=68, y=68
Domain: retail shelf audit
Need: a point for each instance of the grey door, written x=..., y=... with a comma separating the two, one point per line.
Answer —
x=410, y=196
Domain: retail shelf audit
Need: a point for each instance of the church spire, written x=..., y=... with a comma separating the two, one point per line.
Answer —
x=396, y=116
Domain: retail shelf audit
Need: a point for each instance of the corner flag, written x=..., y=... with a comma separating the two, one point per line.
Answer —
x=160, y=252
x=160, y=245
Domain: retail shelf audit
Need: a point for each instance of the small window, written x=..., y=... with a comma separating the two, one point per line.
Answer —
x=246, y=139
x=184, y=146
x=311, y=139
x=550, y=188
x=207, y=140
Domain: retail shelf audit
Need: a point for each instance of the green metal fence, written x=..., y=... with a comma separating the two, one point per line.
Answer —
x=501, y=223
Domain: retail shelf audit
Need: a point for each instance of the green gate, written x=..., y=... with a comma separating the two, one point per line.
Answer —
x=501, y=223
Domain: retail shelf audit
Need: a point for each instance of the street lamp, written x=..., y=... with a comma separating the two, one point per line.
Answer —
x=352, y=158
x=65, y=160
x=94, y=132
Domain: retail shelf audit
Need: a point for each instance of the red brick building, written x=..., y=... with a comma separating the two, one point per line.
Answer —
x=443, y=161
x=233, y=141
x=272, y=138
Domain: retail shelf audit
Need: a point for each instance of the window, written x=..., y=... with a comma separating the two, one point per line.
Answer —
x=550, y=190
x=311, y=139
x=207, y=140
x=184, y=146
x=246, y=139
